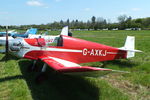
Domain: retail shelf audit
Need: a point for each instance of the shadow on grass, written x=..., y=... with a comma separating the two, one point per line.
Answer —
x=7, y=57
x=11, y=78
x=59, y=87
x=122, y=63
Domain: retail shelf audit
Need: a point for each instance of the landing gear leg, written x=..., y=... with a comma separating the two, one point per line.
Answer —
x=32, y=66
x=44, y=68
x=42, y=76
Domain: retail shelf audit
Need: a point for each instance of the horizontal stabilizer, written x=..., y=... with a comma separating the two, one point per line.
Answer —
x=130, y=50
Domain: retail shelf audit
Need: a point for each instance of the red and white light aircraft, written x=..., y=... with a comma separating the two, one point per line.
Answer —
x=65, y=53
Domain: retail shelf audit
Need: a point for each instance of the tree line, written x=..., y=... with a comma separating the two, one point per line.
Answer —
x=95, y=23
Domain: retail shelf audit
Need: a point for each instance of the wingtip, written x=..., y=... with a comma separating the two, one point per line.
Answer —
x=120, y=71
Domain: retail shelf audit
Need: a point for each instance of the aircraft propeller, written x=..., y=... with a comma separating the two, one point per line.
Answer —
x=6, y=46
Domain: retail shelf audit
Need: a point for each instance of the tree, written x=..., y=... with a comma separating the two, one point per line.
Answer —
x=122, y=21
x=61, y=23
x=139, y=20
x=93, y=23
x=88, y=25
x=93, y=19
x=76, y=24
x=146, y=22
x=68, y=22
x=72, y=24
x=129, y=22
x=100, y=23
x=122, y=18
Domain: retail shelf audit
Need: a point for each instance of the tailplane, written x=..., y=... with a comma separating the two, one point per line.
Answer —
x=130, y=46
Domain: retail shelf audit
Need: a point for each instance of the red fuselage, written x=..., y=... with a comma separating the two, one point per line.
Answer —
x=74, y=50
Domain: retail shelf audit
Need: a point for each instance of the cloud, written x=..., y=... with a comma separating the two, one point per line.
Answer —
x=136, y=9
x=87, y=9
x=58, y=0
x=34, y=3
x=46, y=7
x=123, y=13
x=3, y=12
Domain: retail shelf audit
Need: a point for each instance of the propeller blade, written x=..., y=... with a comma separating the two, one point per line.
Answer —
x=6, y=40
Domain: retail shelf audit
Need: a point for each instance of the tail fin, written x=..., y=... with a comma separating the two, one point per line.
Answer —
x=130, y=43
x=31, y=31
x=130, y=46
x=64, y=31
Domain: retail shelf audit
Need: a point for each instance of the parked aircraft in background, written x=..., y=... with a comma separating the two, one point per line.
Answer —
x=10, y=33
x=64, y=31
x=26, y=34
x=15, y=34
x=49, y=38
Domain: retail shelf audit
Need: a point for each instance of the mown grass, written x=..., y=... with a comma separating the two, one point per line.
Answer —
x=17, y=83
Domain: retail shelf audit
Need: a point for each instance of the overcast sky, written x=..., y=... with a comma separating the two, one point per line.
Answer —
x=20, y=12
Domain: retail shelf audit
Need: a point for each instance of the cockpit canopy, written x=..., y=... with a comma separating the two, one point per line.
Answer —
x=54, y=41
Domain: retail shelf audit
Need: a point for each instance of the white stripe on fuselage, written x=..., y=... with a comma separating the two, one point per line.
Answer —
x=59, y=49
x=28, y=48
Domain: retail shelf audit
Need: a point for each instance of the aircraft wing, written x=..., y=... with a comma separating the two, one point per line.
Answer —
x=68, y=67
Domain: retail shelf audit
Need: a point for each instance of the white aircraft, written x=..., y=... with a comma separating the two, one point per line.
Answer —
x=49, y=38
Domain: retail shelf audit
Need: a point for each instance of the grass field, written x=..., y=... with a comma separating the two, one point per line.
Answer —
x=17, y=84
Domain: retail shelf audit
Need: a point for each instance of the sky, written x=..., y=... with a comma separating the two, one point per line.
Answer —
x=24, y=12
